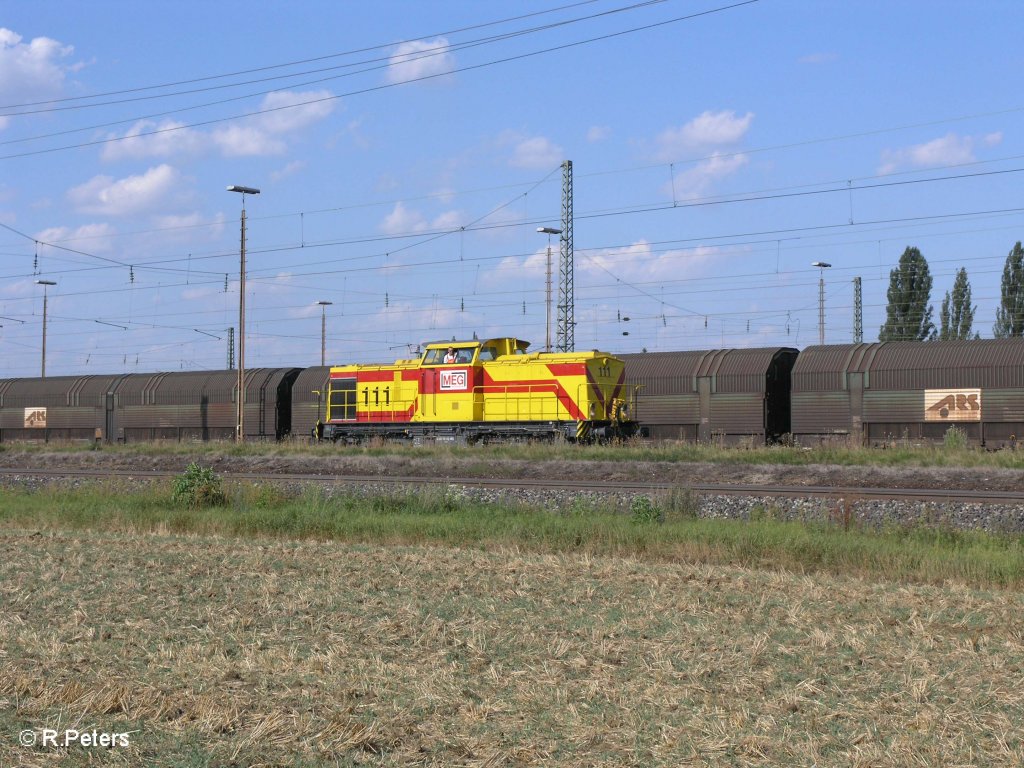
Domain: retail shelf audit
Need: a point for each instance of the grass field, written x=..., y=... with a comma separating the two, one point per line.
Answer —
x=225, y=651
x=661, y=527
x=421, y=629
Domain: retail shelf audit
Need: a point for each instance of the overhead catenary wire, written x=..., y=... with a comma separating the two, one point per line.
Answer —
x=770, y=235
x=424, y=238
x=383, y=86
x=324, y=57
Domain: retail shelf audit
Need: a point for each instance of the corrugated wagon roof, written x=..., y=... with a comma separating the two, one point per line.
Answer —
x=913, y=364
x=734, y=369
x=308, y=381
x=981, y=353
x=55, y=389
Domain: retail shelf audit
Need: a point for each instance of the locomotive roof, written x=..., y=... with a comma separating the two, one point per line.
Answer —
x=519, y=343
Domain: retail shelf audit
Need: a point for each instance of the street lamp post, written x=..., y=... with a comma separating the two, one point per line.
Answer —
x=46, y=284
x=323, y=331
x=822, y=266
x=240, y=405
x=549, y=231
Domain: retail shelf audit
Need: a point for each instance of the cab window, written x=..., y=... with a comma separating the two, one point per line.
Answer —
x=488, y=353
x=434, y=357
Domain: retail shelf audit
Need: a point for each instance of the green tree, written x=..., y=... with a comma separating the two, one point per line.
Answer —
x=1010, y=314
x=957, y=315
x=908, y=316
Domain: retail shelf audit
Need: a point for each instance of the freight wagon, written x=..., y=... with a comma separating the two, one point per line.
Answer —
x=861, y=394
x=881, y=393
x=191, y=405
x=726, y=396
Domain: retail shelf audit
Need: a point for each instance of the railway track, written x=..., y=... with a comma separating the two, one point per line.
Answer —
x=612, y=486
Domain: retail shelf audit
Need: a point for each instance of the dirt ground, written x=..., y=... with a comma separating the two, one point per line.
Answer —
x=434, y=465
x=207, y=651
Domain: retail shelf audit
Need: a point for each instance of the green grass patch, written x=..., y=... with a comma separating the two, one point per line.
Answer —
x=664, y=528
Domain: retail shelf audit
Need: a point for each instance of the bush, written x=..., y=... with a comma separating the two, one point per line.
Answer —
x=644, y=510
x=680, y=504
x=955, y=439
x=198, y=487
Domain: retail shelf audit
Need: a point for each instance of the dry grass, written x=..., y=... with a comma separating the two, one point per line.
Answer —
x=220, y=652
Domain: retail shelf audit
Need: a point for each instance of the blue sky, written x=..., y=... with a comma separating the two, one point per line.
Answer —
x=408, y=151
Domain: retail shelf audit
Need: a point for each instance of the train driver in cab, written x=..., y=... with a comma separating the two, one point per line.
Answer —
x=451, y=357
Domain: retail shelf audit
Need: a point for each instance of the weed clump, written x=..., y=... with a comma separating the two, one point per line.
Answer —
x=955, y=439
x=198, y=487
x=644, y=511
x=680, y=504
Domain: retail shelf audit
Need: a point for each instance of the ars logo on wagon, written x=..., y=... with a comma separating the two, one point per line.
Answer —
x=952, y=405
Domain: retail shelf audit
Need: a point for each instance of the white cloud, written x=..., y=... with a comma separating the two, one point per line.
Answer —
x=822, y=57
x=164, y=139
x=30, y=71
x=103, y=195
x=513, y=269
x=278, y=285
x=354, y=129
x=639, y=263
x=201, y=292
x=265, y=134
x=950, y=149
x=448, y=220
x=402, y=220
x=696, y=181
x=598, y=133
x=19, y=288
x=174, y=221
x=246, y=141
x=707, y=131
x=289, y=169
x=185, y=229
x=88, y=237
x=293, y=110
x=419, y=59
x=445, y=194
x=536, y=152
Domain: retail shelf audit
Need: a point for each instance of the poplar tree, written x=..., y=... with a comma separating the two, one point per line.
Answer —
x=957, y=314
x=908, y=315
x=1010, y=313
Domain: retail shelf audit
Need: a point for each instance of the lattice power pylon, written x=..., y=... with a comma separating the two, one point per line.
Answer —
x=858, y=313
x=565, y=341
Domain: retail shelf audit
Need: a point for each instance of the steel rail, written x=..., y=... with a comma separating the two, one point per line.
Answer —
x=851, y=493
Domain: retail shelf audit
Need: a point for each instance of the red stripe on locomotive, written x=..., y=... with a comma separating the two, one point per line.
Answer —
x=535, y=385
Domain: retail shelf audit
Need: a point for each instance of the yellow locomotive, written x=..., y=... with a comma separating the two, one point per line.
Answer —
x=470, y=391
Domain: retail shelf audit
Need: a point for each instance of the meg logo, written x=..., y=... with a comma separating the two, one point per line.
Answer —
x=952, y=405
x=454, y=380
